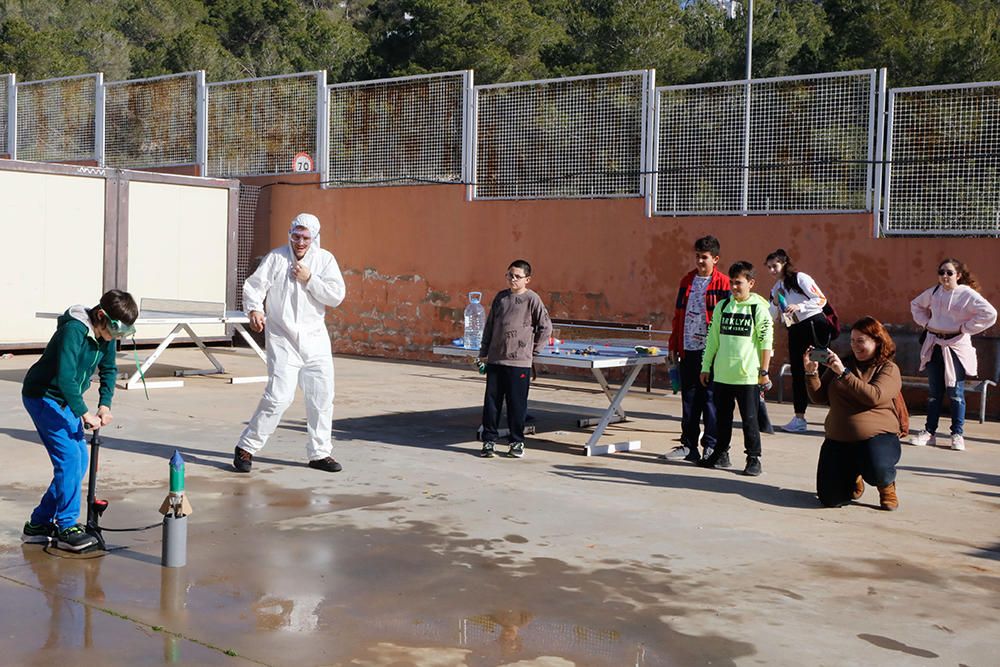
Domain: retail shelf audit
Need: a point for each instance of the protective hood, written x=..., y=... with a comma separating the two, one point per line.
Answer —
x=310, y=222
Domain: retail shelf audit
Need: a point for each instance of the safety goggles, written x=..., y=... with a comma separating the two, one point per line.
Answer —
x=117, y=328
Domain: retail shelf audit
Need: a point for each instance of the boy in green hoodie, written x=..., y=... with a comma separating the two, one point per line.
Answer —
x=738, y=350
x=52, y=394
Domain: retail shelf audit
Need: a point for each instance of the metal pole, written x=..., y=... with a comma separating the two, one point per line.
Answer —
x=746, y=110
x=749, y=38
x=95, y=453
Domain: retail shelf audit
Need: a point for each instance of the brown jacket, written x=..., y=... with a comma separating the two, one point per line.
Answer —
x=861, y=403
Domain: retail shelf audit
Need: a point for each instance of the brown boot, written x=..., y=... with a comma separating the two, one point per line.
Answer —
x=859, y=488
x=887, y=497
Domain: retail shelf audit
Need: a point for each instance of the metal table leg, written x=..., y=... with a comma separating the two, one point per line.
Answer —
x=614, y=409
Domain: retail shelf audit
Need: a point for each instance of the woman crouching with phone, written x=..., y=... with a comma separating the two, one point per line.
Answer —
x=862, y=427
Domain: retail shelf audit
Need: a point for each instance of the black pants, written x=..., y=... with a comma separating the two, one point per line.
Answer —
x=727, y=397
x=697, y=401
x=763, y=418
x=813, y=331
x=840, y=463
x=505, y=383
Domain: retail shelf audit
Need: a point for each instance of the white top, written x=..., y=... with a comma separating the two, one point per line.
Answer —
x=695, y=324
x=294, y=309
x=962, y=309
x=810, y=300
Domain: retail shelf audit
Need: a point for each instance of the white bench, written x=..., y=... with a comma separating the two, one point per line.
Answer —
x=981, y=387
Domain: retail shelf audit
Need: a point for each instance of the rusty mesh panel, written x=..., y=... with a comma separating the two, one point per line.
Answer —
x=249, y=194
x=809, y=145
x=396, y=131
x=576, y=137
x=151, y=123
x=700, y=148
x=55, y=119
x=943, y=175
x=258, y=126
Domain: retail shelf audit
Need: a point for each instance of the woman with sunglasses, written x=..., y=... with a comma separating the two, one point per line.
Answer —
x=950, y=313
x=52, y=393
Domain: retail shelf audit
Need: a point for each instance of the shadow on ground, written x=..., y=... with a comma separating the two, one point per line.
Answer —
x=721, y=481
x=161, y=451
x=457, y=427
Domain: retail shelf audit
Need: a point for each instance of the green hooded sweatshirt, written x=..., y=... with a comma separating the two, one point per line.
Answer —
x=738, y=333
x=68, y=362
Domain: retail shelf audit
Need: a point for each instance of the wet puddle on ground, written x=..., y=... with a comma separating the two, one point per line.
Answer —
x=299, y=577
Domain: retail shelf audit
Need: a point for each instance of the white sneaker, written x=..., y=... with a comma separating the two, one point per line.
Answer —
x=958, y=443
x=923, y=438
x=797, y=425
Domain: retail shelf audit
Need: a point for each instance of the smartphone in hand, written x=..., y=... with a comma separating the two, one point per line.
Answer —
x=820, y=354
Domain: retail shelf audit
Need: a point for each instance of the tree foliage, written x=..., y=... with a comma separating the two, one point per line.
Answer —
x=919, y=41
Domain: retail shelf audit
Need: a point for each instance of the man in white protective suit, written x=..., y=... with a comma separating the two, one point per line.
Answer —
x=299, y=281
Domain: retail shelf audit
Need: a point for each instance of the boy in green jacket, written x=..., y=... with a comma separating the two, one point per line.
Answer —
x=738, y=350
x=53, y=395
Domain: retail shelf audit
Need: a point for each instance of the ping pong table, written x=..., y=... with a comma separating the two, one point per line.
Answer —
x=183, y=314
x=596, y=356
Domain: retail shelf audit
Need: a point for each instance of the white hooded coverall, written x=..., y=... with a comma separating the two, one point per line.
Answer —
x=297, y=342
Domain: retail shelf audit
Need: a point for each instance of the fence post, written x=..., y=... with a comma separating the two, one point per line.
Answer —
x=99, y=97
x=201, y=123
x=12, y=116
x=877, y=162
x=472, y=137
x=322, y=165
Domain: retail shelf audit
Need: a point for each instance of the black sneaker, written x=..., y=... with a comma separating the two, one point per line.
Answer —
x=242, y=460
x=326, y=464
x=753, y=466
x=693, y=456
x=489, y=450
x=40, y=534
x=516, y=450
x=75, y=538
x=716, y=460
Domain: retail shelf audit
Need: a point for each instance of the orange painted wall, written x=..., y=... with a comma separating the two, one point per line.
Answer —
x=410, y=255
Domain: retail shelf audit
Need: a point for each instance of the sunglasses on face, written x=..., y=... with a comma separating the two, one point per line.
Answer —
x=514, y=276
x=945, y=272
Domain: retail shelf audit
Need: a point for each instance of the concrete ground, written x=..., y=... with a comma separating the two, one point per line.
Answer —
x=421, y=553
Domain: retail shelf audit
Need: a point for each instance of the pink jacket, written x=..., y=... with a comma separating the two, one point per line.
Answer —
x=962, y=311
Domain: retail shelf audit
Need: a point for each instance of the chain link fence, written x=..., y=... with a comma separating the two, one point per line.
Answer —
x=942, y=173
x=574, y=137
x=249, y=195
x=57, y=119
x=801, y=145
x=398, y=131
x=261, y=126
x=152, y=122
x=806, y=144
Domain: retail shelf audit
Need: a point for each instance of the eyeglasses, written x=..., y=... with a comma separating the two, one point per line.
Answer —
x=514, y=276
x=299, y=238
x=946, y=272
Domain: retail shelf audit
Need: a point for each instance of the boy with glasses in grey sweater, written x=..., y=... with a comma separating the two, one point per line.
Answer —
x=517, y=328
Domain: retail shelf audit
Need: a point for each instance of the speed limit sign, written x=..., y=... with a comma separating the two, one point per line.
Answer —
x=302, y=162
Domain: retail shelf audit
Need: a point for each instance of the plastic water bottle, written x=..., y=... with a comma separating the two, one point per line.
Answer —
x=475, y=320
